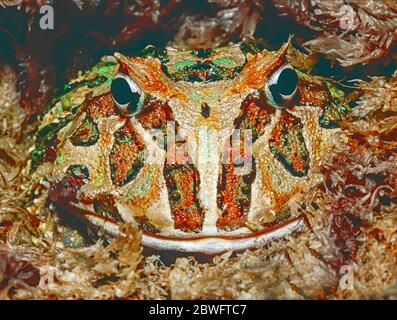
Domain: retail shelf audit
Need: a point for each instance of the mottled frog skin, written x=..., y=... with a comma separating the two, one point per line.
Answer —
x=204, y=150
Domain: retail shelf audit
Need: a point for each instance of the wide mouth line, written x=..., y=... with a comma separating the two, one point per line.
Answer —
x=254, y=234
x=211, y=243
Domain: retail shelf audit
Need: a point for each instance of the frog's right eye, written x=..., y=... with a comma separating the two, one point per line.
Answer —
x=282, y=86
x=126, y=94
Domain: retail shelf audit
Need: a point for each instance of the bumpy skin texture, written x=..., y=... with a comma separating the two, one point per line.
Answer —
x=171, y=169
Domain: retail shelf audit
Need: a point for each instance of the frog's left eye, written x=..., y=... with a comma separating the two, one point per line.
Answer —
x=126, y=94
x=282, y=86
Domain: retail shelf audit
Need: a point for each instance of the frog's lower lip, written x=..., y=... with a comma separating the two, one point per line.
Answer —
x=204, y=244
x=217, y=244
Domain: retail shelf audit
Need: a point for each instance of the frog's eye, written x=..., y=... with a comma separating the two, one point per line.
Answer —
x=282, y=86
x=126, y=94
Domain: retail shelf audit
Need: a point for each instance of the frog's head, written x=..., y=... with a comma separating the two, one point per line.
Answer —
x=190, y=78
x=197, y=144
x=214, y=82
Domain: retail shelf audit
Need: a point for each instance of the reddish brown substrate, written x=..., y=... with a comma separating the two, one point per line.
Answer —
x=20, y=272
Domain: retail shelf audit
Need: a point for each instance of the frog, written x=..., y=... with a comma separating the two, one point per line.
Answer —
x=205, y=150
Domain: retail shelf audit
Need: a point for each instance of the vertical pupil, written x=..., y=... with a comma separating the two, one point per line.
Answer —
x=121, y=91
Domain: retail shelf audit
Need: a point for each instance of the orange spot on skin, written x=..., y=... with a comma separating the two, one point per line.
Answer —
x=276, y=134
x=123, y=157
x=255, y=116
x=126, y=153
x=187, y=220
x=105, y=138
x=298, y=164
x=100, y=106
x=4, y=227
x=233, y=214
x=155, y=115
x=182, y=182
x=312, y=93
x=86, y=199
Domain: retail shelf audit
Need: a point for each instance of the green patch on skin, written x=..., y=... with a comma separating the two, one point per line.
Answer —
x=333, y=114
x=335, y=91
x=78, y=171
x=87, y=134
x=195, y=96
x=58, y=109
x=105, y=72
x=99, y=180
x=144, y=186
x=228, y=61
x=37, y=159
x=201, y=70
x=67, y=101
x=182, y=64
x=336, y=110
x=59, y=159
x=45, y=137
x=107, y=69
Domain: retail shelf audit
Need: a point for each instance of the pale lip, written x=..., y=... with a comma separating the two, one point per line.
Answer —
x=212, y=245
x=205, y=244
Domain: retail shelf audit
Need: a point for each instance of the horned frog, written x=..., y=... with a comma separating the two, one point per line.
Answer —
x=204, y=150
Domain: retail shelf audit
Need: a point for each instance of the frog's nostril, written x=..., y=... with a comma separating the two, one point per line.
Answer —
x=205, y=110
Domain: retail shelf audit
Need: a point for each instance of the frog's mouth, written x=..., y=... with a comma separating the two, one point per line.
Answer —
x=205, y=244
x=212, y=245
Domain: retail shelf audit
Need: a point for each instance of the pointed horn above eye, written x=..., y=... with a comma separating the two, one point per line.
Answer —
x=121, y=59
x=258, y=69
x=148, y=74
